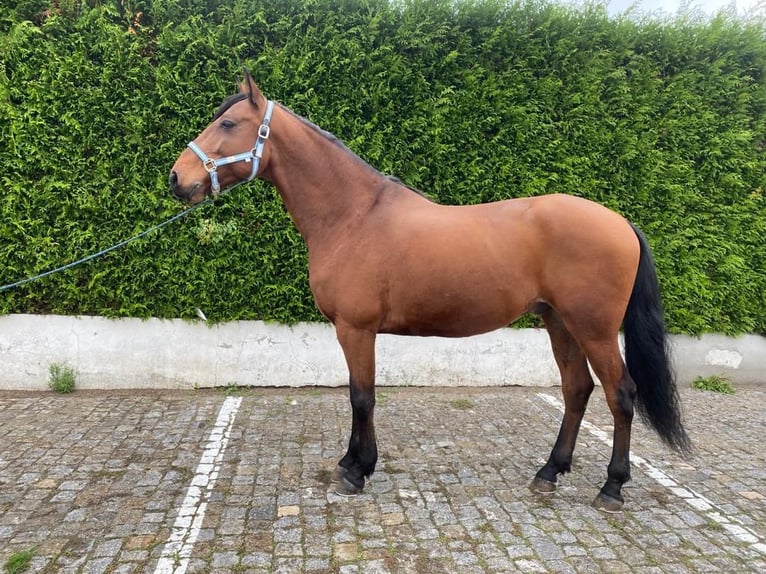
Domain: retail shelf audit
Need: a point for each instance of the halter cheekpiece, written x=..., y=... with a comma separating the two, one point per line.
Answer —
x=254, y=155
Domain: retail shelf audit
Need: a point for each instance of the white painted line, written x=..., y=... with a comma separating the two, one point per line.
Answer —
x=186, y=528
x=693, y=499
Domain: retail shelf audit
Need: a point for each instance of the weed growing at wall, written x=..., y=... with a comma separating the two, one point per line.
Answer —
x=62, y=378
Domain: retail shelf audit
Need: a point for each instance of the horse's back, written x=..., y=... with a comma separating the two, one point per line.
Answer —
x=416, y=267
x=517, y=240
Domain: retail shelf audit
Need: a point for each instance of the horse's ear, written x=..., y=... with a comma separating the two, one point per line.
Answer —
x=248, y=87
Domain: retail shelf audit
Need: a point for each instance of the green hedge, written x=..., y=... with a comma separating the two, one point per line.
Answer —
x=469, y=100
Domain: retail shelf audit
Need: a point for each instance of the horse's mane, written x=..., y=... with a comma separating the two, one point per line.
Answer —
x=234, y=98
x=332, y=138
x=227, y=103
x=400, y=182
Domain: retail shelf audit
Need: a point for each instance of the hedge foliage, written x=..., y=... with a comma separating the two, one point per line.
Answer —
x=663, y=120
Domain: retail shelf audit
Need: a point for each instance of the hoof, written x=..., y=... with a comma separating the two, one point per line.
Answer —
x=344, y=487
x=606, y=503
x=542, y=486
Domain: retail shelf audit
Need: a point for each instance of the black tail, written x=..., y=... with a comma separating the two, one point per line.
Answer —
x=647, y=355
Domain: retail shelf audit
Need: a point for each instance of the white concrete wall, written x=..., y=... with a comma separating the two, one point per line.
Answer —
x=153, y=353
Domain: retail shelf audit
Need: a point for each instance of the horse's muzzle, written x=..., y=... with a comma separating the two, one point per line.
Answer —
x=174, y=187
x=186, y=193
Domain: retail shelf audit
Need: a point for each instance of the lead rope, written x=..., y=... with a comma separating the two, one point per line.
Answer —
x=211, y=166
x=108, y=249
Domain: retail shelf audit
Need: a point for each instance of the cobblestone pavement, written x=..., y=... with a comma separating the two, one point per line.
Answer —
x=96, y=482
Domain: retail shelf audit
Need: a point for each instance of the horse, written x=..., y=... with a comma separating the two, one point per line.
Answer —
x=383, y=258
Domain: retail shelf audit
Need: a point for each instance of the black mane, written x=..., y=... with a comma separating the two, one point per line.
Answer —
x=338, y=142
x=227, y=103
x=400, y=182
x=234, y=98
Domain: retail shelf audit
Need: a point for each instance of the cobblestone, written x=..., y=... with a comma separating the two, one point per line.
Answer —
x=93, y=482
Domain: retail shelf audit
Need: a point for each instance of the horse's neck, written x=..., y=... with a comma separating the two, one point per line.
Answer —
x=323, y=185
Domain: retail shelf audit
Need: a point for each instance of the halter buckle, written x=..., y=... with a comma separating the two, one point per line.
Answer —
x=210, y=165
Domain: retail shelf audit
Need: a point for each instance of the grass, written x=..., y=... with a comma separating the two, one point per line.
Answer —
x=715, y=526
x=17, y=562
x=230, y=389
x=381, y=399
x=62, y=378
x=461, y=404
x=715, y=384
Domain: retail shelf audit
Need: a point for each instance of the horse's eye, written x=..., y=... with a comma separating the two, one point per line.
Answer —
x=227, y=124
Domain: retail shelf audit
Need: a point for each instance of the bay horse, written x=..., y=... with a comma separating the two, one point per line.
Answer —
x=383, y=258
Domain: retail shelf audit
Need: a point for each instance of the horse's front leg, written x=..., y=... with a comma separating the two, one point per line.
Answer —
x=359, y=461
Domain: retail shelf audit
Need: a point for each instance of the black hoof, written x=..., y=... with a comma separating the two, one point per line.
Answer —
x=542, y=486
x=345, y=487
x=342, y=484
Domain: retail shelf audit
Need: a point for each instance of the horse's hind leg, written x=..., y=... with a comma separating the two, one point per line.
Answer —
x=360, y=459
x=620, y=390
x=576, y=385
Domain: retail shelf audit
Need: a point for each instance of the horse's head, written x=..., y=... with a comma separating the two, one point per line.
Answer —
x=230, y=150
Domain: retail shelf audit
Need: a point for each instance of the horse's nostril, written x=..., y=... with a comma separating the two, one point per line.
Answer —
x=174, y=182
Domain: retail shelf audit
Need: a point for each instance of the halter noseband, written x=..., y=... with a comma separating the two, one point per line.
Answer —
x=254, y=155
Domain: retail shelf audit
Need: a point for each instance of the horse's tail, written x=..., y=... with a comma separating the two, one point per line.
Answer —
x=647, y=355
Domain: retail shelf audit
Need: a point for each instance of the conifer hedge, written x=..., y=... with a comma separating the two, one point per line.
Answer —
x=662, y=120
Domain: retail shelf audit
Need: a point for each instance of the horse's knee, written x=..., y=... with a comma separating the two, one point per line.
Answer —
x=362, y=402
